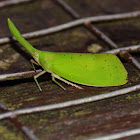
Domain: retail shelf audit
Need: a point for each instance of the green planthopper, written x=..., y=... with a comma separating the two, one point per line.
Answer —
x=98, y=70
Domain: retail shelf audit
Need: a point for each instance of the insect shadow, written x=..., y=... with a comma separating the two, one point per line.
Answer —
x=18, y=49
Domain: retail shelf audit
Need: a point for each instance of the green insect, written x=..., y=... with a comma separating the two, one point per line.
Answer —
x=98, y=70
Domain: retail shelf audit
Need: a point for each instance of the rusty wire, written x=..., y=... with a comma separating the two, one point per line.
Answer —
x=12, y=2
x=118, y=135
x=134, y=48
x=18, y=124
x=19, y=75
x=86, y=22
x=74, y=24
x=130, y=58
x=99, y=33
x=70, y=103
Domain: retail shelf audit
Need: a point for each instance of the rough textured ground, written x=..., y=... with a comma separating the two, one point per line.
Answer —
x=79, y=122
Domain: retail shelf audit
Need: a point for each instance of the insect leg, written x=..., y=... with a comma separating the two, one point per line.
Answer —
x=33, y=62
x=53, y=78
x=36, y=76
x=69, y=83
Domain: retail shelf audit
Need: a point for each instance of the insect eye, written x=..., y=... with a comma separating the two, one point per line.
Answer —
x=36, y=54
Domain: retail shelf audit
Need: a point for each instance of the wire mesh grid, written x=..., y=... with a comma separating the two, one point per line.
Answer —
x=88, y=24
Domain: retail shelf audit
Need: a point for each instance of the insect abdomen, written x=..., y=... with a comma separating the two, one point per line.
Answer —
x=88, y=69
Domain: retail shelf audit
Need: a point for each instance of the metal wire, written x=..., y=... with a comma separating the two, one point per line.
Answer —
x=88, y=25
x=74, y=24
x=85, y=22
x=118, y=135
x=134, y=48
x=12, y=2
x=19, y=75
x=18, y=124
x=70, y=103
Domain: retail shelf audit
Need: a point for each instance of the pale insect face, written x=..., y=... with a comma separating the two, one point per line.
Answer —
x=36, y=57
